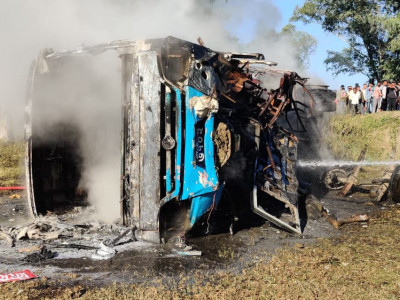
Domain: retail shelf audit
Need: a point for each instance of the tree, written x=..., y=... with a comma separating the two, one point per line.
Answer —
x=303, y=42
x=370, y=28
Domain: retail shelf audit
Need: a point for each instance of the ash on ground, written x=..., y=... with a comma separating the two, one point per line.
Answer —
x=97, y=253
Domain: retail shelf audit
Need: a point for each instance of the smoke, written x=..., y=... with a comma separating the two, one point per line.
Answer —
x=77, y=109
x=29, y=26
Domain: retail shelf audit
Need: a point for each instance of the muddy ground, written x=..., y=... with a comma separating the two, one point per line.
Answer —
x=137, y=261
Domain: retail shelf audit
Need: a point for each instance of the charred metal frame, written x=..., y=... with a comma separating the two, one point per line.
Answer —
x=175, y=93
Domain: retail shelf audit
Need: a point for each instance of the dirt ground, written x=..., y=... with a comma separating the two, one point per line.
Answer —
x=73, y=261
x=138, y=262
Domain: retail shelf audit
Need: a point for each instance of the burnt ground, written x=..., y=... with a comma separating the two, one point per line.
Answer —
x=137, y=261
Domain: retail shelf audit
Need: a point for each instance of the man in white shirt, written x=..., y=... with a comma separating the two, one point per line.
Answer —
x=355, y=97
x=348, y=101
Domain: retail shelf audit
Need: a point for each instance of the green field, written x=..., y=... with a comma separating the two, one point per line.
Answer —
x=347, y=135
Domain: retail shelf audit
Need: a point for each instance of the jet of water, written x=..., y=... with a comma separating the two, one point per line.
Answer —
x=343, y=163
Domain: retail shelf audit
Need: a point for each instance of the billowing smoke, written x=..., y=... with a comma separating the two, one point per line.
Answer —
x=77, y=104
x=28, y=26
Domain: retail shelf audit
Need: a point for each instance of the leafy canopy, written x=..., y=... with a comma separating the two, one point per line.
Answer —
x=371, y=29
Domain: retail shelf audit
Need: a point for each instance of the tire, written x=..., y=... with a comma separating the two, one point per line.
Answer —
x=394, y=186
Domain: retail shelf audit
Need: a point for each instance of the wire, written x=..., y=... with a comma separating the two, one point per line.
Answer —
x=209, y=214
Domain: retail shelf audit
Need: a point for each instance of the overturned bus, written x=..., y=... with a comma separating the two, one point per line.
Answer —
x=198, y=130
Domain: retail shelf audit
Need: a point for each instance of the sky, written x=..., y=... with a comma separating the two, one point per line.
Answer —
x=29, y=26
x=326, y=41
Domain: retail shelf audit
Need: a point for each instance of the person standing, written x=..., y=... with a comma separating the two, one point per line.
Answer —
x=361, y=100
x=355, y=99
x=384, y=95
x=369, y=96
x=348, y=100
x=377, y=98
x=364, y=96
x=341, y=97
x=391, y=96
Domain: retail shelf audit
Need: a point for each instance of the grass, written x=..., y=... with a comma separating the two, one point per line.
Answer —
x=362, y=263
x=11, y=163
x=348, y=135
x=226, y=253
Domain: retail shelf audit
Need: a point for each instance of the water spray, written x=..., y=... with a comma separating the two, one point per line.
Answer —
x=343, y=163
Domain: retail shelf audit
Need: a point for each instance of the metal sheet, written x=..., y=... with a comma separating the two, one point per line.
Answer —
x=150, y=111
x=201, y=204
x=28, y=140
x=198, y=180
x=134, y=144
x=125, y=203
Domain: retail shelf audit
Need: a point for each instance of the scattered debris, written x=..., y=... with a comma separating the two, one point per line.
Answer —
x=78, y=292
x=316, y=210
x=21, y=234
x=75, y=246
x=338, y=223
x=386, y=184
x=30, y=249
x=15, y=196
x=190, y=253
x=104, y=252
x=118, y=238
x=72, y=275
x=353, y=177
x=314, y=207
x=180, y=242
x=17, y=276
x=44, y=228
x=8, y=238
x=42, y=255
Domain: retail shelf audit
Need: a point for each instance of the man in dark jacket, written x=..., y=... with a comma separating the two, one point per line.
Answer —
x=384, y=89
x=391, y=96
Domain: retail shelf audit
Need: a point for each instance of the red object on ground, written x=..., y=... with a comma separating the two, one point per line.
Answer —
x=17, y=276
x=12, y=188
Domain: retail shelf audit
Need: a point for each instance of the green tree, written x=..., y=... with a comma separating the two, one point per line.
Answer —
x=298, y=44
x=303, y=42
x=370, y=28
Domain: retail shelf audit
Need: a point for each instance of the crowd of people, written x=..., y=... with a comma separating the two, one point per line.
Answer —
x=383, y=96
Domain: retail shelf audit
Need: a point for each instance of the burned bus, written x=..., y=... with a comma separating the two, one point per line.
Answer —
x=190, y=130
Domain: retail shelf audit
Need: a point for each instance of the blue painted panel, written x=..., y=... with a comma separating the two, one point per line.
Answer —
x=201, y=204
x=178, y=159
x=168, y=180
x=198, y=179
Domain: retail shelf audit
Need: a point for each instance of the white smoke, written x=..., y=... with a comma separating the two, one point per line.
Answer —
x=31, y=25
x=28, y=26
